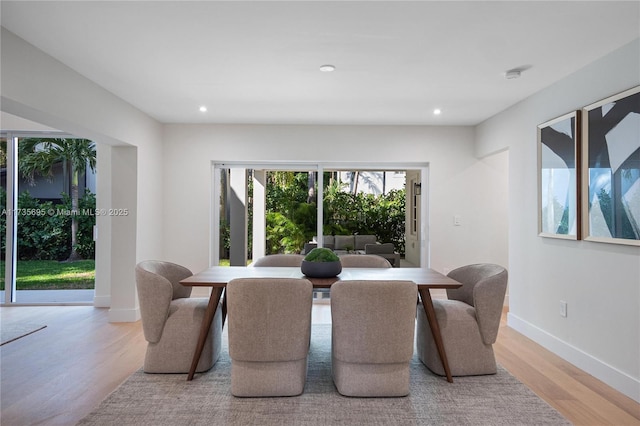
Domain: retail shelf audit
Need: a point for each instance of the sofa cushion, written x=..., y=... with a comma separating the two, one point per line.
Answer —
x=385, y=248
x=361, y=240
x=344, y=242
x=326, y=240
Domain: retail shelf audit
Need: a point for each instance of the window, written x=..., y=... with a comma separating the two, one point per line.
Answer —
x=256, y=177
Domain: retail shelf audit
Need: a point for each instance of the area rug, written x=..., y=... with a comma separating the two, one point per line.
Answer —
x=168, y=399
x=14, y=331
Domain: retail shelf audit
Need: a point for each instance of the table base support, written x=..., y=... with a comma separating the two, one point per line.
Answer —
x=427, y=303
x=214, y=299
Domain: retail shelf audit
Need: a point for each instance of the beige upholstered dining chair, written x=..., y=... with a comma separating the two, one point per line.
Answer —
x=363, y=261
x=171, y=320
x=279, y=260
x=468, y=320
x=372, y=325
x=269, y=333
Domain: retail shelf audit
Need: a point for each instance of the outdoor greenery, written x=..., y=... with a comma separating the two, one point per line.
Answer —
x=52, y=236
x=44, y=228
x=292, y=210
x=38, y=156
x=52, y=275
x=382, y=216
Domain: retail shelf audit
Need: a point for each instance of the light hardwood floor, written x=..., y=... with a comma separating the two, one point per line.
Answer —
x=57, y=375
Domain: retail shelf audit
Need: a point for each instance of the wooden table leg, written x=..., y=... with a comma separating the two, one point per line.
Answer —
x=224, y=307
x=427, y=303
x=214, y=299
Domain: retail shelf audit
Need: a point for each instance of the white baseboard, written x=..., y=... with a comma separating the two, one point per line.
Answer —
x=102, y=301
x=620, y=381
x=124, y=315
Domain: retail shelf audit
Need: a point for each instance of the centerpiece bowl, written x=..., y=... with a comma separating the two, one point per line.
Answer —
x=321, y=263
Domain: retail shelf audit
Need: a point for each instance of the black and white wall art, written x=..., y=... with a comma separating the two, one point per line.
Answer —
x=559, y=177
x=611, y=169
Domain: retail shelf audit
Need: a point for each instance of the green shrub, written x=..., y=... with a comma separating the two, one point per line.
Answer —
x=283, y=235
x=47, y=234
x=321, y=254
x=86, y=247
x=291, y=213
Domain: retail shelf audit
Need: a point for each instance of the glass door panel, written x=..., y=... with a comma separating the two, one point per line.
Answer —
x=264, y=212
x=291, y=211
x=55, y=217
x=282, y=208
x=3, y=216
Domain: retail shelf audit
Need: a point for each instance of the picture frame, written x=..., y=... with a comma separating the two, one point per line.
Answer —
x=611, y=169
x=559, y=163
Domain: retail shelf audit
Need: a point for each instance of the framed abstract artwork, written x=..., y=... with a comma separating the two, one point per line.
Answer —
x=611, y=169
x=559, y=177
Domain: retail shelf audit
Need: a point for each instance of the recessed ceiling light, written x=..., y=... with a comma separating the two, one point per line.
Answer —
x=327, y=68
x=203, y=108
x=437, y=111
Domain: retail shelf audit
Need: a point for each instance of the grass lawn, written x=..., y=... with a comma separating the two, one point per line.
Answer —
x=52, y=275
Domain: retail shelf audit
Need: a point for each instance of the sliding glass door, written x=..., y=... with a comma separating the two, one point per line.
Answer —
x=48, y=216
x=6, y=289
x=265, y=209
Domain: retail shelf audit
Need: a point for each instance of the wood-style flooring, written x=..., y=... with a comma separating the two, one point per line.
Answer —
x=58, y=375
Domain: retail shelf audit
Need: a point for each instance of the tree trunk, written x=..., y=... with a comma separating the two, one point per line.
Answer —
x=74, y=217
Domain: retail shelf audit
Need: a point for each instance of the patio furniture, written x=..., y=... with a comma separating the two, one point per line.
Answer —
x=269, y=334
x=171, y=320
x=308, y=247
x=386, y=250
x=328, y=241
x=343, y=244
x=373, y=326
x=468, y=321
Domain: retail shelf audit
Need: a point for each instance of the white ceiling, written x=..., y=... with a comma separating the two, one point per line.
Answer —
x=257, y=62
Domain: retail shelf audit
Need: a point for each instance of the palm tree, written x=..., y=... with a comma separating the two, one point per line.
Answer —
x=39, y=155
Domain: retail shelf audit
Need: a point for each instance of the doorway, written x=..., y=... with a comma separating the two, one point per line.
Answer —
x=313, y=182
x=48, y=190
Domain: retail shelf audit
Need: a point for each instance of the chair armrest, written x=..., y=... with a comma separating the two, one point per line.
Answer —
x=155, y=294
x=488, y=299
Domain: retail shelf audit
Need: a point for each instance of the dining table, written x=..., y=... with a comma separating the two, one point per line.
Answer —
x=217, y=278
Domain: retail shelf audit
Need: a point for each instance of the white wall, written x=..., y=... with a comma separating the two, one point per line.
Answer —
x=600, y=282
x=456, y=179
x=12, y=122
x=39, y=88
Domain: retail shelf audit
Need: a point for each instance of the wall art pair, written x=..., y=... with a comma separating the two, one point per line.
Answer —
x=589, y=172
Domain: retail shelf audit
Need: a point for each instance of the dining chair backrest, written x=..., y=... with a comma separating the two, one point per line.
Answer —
x=484, y=286
x=279, y=260
x=163, y=270
x=469, y=321
x=171, y=319
x=363, y=261
x=373, y=325
x=157, y=284
x=269, y=333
